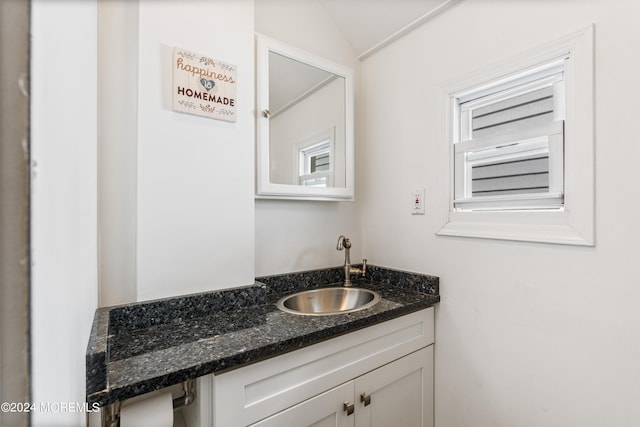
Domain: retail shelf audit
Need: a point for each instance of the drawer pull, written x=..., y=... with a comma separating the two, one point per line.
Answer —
x=366, y=399
x=348, y=407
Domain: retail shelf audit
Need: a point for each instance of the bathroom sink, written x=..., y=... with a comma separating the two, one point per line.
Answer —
x=325, y=301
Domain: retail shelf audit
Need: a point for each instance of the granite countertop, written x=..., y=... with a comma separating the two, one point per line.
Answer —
x=137, y=348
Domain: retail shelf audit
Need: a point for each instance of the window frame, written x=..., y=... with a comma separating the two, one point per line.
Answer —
x=574, y=224
x=309, y=146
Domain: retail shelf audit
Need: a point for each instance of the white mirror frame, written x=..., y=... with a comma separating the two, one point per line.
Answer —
x=264, y=187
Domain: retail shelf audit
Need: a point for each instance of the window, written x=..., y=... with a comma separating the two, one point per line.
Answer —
x=509, y=144
x=520, y=147
x=315, y=157
x=314, y=165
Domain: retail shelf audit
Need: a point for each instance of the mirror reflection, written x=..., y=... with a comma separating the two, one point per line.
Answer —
x=306, y=124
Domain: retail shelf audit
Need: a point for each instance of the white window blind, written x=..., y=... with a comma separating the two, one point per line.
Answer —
x=509, y=144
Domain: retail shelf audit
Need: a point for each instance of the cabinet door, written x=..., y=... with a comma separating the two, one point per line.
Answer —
x=397, y=394
x=324, y=410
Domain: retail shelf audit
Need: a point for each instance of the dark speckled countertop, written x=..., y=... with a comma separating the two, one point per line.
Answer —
x=137, y=348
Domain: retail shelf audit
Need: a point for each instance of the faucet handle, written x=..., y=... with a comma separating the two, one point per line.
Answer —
x=343, y=243
x=341, y=240
x=364, y=266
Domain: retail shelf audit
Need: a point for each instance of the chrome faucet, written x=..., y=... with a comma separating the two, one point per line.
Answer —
x=344, y=243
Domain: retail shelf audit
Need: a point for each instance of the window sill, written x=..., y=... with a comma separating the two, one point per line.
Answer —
x=548, y=227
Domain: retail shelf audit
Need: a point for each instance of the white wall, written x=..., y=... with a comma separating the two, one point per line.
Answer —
x=117, y=150
x=527, y=334
x=176, y=191
x=195, y=212
x=64, y=199
x=196, y=227
x=301, y=235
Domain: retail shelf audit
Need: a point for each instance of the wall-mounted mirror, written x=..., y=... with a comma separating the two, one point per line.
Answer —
x=304, y=122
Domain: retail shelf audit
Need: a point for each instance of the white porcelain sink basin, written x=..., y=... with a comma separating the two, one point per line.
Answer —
x=326, y=301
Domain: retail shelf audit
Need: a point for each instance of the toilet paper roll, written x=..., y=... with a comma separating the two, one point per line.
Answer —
x=153, y=411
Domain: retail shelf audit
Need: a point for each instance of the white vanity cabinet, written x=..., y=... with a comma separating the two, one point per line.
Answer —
x=385, y=371
x=397, y=394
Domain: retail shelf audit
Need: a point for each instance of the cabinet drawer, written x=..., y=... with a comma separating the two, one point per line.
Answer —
x=252, y=393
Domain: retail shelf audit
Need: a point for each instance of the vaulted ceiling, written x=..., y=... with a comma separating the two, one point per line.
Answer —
x=369, y=23
x=366, y=24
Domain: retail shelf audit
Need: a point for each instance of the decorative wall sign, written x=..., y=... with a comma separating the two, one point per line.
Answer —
x=203, y=86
